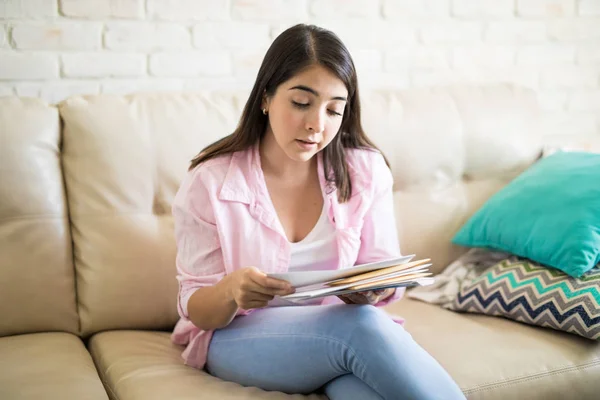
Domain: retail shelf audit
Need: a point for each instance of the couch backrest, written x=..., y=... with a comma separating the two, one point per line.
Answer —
x=450, y=148
x=124, y=158
x=37, y=284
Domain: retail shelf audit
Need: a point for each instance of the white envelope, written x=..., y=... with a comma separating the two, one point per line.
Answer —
x=303, y=278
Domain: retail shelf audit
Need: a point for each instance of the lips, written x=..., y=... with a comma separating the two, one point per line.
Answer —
x=306, y=141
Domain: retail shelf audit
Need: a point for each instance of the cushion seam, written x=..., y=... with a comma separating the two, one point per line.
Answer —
x=512, y=381
x=102, y=373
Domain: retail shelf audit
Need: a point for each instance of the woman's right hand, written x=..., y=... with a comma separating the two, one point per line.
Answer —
x=251, y=288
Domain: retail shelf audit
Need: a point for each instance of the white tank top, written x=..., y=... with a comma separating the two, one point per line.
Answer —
x=318, y=250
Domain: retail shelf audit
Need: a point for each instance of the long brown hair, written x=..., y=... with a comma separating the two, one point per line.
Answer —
x=293, y=50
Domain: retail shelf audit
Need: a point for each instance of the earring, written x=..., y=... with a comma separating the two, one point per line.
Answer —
x=265, y=111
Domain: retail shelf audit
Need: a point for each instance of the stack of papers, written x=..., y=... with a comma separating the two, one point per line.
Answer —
x=398, y=272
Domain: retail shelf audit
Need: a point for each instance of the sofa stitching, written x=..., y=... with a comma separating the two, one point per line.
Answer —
x=512, y=381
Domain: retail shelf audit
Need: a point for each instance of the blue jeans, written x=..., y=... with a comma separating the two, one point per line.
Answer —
x=347, y=351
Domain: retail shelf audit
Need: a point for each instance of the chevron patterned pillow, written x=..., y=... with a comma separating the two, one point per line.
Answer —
x=534, y=294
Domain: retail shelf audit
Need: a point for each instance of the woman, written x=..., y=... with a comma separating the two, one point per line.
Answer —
x=297, y=186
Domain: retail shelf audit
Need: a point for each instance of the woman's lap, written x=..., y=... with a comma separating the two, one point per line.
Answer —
x=281, y=348
x=301, y=349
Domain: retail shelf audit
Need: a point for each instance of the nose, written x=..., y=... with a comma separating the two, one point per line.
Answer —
x=315, y=121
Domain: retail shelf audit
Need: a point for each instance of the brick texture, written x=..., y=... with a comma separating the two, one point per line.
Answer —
x=102, y=8
x=186, y=10
x=4, y=44
x=30, y=9
x=57, y=36
x=145, y=36
x=19, y=66
x=546, y=8
x=57, y=48
x=103, y=65
x=191, y=64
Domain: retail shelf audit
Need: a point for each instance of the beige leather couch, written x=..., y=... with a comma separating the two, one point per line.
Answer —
x=87, y=277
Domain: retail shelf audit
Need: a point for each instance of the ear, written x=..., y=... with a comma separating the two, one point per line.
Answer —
x=264, y=104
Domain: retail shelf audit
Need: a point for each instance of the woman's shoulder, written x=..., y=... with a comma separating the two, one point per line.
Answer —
x=214, y=169
x=366, y=161
x=368, y=168
x=203, y=180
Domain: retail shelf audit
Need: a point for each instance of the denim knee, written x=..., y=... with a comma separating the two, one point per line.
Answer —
x=369, y=320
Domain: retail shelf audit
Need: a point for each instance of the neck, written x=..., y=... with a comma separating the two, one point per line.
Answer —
x=277, y=164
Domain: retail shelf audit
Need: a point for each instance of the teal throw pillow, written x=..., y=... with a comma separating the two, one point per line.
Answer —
x=549, y=214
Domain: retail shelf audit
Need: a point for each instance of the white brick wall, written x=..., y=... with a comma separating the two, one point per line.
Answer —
x=589, y=7
x=100, y=65
x=30, y=9
x=103, y=8
x=218, y=35
x=20, y=66
x=57, y=36
x=404, y=9
x=186, y=10
x=344, y=8
x=146, y=36
x=3, y=37
x=190, y=64
x=57, y=48
x=483, y=8
x=546, y=8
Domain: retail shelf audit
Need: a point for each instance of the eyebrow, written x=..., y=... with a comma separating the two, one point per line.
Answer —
x=313, y=91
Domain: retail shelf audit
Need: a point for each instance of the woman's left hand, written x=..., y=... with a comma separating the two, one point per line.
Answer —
x=367, y=297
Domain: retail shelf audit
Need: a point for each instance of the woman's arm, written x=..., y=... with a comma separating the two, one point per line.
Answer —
x=215, y=307
x=199, y=261
x=209, y=297
x=212, y=307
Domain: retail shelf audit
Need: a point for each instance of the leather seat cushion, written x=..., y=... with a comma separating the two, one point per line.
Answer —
x=47, y=366
x=495, y=358
x=144, y=365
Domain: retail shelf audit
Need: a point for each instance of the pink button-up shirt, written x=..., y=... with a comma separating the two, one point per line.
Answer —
x=225, y=220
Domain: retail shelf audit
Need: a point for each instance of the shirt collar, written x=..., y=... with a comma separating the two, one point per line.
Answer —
x=244, y=180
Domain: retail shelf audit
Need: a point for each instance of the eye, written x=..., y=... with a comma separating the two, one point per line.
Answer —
x=300, y=105
x=306, y=105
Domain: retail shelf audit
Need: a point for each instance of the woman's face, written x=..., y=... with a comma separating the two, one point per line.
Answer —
x=306, y=111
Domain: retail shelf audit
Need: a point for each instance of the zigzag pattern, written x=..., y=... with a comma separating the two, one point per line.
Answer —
x=536, y=295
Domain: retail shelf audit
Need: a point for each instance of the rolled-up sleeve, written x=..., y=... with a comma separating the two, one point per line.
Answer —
x=199, y=260
x=379, y=235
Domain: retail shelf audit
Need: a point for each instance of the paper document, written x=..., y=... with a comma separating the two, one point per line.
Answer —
x=398, y=272
x=305, y=278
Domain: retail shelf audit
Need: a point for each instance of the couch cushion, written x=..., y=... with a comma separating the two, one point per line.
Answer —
x=147, y=365
x=549, y=214
x=428, y=217
x=37, y=284
x=494, y=358
x=124, y=158
x=443, y=143
x=522, y=290
x=47, y=366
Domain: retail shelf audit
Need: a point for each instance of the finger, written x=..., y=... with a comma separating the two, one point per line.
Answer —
x=254, y=304
x=259, y=287
x=257, y=296
x=345, y=299
x=263, y=280
x=356, y=298
x=255, y=287
x=253, y=297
